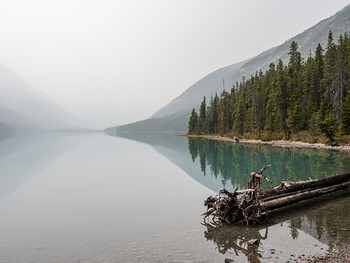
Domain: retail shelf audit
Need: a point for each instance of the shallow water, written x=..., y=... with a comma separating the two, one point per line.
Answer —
x=96, y=198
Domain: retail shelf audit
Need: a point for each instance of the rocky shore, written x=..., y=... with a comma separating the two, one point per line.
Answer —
x=334, y=256
x=279, y=143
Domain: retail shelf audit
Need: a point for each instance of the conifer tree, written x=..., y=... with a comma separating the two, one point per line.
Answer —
x=239, y=115
x=225, y=114
x=258, y=104
x=346, y=116
x=329, y=73
x=294, y=87
x=316, y=90
x=282, y=98
x=294, y=64
x=213, y=115
x=311, y=96
x=193, y=123
x=202, y=123
x=328, y=127
x=340, y=78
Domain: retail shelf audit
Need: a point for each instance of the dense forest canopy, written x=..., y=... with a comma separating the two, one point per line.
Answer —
x=307, y=99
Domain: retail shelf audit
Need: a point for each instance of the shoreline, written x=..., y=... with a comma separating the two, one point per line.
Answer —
x=332, y=256
x=279, y=143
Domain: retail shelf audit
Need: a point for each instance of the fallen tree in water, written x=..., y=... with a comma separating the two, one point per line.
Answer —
x=249, y=206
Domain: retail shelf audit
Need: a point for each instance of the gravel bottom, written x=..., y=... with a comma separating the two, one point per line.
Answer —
x=329, y=257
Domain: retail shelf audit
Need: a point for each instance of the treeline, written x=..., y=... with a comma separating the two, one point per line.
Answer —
x=306, y=97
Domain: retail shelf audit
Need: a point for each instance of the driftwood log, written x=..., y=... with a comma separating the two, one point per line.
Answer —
x=248, y=206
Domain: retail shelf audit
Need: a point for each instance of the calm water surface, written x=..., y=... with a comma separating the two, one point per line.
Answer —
x=138, y=198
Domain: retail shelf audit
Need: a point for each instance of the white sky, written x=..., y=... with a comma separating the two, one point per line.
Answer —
x=113, y=62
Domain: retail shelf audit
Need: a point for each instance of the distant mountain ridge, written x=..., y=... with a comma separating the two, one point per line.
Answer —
x=23, y=107
x=226, y=77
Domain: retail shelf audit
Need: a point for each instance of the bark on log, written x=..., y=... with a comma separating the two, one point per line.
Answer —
x=298, y=197
x=303, y=185
x=248, y=205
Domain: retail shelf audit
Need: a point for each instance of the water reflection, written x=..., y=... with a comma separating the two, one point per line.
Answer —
x=244, y=242
x=216, y=164
x=24, y=155
x=233, y=162
x=175, y=148
x=307, y=228
x=326, y=220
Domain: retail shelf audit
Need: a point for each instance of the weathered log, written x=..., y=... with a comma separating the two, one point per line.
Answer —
x=303, y=185
x=248, y=205
x=298, y=197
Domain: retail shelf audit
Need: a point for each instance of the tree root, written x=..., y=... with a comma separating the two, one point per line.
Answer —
x=248, y=206
x=228, y=207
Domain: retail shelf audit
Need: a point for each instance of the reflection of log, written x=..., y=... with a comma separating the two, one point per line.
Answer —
x=247, y=206
x=234, y=239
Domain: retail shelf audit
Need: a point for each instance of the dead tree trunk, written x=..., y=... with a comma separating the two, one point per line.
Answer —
x=301, y=196
x=248, y=205
x=290, y=187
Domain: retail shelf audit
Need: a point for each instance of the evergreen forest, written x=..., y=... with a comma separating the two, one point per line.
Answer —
x=308, y=99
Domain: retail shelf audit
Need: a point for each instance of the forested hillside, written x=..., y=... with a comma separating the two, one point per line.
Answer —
x=179, y=109
x=308, y=99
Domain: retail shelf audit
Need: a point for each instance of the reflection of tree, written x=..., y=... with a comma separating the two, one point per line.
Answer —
x=327, y=220
x=203, y=161
x=331, y=222
x=234, y=162
x=236, y=239
x=193, y=149
x=295, y=223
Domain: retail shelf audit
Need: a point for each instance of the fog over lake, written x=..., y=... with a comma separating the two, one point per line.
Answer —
x=90, y=197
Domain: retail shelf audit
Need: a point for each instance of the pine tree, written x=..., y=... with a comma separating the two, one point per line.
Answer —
x=307, y=103
x=329, y=127
x=340, y=78
x=225, y=114
x=316, y=90
x=329, y=72
x=193, y=123
x=213, y=115
x=346, y=116
x=239, y=114
x=294, y=87
x=282, y=96
x=311, y=96
x=294, y=64
x=202, y=123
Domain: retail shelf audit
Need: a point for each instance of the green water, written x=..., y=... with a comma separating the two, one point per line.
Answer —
x=88, y=197
x=234, y=162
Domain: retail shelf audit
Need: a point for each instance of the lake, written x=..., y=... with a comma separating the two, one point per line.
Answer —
x=93, y=197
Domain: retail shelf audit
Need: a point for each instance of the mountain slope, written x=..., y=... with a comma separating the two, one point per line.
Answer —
x=17, y=120
x=214, y=82
x=227, y=76
x=22, y=106
x=174, y=122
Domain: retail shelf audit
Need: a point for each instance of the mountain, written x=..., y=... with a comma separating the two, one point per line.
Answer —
x=23, y=107
x=16, y=120
x=177, y=112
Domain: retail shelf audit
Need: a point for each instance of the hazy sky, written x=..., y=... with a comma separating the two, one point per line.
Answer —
x=114, y=62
